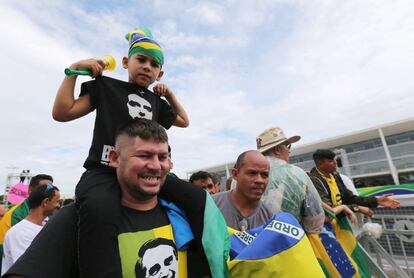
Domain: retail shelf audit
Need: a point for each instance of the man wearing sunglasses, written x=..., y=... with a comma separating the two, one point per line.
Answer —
x=289, y=189
x=43, y=201
x=204, y=180
x=20, y=211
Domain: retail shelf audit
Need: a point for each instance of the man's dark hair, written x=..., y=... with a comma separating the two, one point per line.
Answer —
x=323, y=154
x=144, y=129
x=40, y=193
x=215, y=178
x=35, y=180
x=200, y=175
x=140, y=270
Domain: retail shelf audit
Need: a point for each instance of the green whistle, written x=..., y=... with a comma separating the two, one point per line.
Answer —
x=70, y=72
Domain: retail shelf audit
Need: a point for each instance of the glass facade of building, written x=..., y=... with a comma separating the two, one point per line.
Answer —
x=368, y=164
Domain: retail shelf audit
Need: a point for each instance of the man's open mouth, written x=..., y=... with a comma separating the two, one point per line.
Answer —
x=151, y=178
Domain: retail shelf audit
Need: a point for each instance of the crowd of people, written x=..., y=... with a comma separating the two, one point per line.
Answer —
x=133, y=218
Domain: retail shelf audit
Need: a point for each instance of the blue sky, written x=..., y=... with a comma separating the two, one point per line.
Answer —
x=315, y=68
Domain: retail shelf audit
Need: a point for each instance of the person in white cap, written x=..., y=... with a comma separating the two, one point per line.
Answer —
x=289, y=189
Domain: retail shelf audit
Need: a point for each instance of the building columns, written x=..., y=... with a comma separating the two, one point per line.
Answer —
x=394, y=172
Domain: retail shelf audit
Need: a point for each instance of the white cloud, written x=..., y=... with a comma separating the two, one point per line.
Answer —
x=314, y=68
x=188, y=61
x=207, y=14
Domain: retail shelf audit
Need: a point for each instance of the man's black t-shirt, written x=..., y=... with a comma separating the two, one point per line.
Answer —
x=53, y=252
x=116, y=102
x=133, y=220
x=147, y=247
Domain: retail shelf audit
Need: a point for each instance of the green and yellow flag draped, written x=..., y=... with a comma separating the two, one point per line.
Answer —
x=338, y=251
x=278, y=249
x=348, y=241
x=216, y=239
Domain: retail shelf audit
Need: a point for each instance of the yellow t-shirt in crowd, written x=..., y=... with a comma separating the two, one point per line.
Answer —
x=336, y=197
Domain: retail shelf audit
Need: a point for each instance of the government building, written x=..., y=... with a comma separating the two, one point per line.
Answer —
x=381, y=155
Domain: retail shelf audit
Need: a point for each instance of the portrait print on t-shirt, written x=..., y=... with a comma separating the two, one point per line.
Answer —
x=157, y=258
x=151, y=253
x=117, y=102
x=139, y=107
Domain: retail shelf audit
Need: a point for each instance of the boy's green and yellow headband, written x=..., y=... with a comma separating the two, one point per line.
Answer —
x=141, y=41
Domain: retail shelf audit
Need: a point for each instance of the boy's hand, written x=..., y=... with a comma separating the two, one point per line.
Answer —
x=96, y=66
x=162, y=90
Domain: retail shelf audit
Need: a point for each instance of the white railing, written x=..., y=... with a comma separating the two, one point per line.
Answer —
x=394, y=250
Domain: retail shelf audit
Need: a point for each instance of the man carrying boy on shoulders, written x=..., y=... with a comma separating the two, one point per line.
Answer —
x=154, y=236
x=116, y=102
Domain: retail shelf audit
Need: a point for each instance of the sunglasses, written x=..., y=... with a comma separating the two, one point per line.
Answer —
x=50, y=186
x=288, y=146
x=208, y=186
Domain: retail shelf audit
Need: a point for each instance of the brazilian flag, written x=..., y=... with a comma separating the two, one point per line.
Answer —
x=348, y=241
x=278, y=249
x=337, y=250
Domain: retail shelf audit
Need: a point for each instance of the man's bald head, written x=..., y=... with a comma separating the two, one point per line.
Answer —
x=252, y=154
x=251, y=173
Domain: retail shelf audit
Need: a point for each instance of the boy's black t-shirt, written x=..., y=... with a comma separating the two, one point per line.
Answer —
x=117, y=102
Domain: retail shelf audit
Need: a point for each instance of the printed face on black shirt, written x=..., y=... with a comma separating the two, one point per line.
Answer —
x=117, y=102
x=159, y=259
x=139, y=107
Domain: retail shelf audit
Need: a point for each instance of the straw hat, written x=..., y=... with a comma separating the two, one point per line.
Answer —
x=272, y=137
